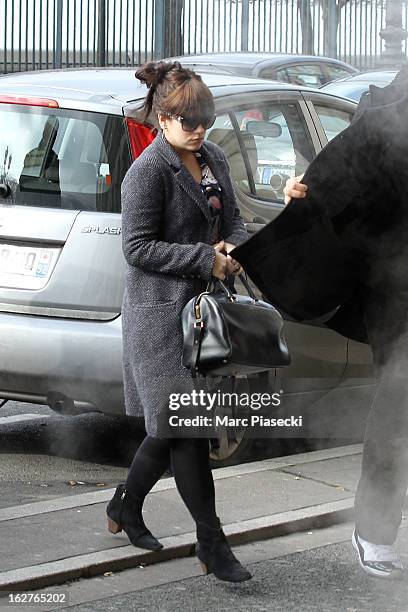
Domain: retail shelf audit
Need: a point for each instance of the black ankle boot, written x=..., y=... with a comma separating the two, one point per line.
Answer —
x=216, y=556
x=125, y=513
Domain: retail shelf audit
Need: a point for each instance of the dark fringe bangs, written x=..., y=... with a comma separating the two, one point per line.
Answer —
x=191, y=98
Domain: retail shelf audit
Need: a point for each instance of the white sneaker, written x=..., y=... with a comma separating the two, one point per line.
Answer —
x=378, y=560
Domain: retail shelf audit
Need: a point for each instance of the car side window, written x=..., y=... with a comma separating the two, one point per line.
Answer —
x=277, y=146
x=224, y=135
x=273, y=74
x=280, y=75
x=336, y=72
x=333, y=120
x=310, y=75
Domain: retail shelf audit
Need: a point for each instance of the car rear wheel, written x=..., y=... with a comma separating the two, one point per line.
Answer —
x=233, y=443
x=233, y=446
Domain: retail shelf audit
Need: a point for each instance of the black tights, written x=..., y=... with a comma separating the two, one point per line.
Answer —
x=189, y=458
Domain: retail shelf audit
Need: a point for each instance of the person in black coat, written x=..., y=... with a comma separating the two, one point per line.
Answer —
x=180, y=219
x=340, y=250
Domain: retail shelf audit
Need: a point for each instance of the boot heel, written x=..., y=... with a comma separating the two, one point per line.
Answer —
x=204, y=567
x=216, y=556
x=113, y=527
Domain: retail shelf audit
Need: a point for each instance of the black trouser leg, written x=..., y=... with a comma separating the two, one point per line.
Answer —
x=191, y=467
x=151, y=460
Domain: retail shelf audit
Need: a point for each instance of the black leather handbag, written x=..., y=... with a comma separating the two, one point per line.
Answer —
x=226, y=334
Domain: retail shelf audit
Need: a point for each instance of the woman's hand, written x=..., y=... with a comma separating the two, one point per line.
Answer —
x=220, y=267
x=294, y=189
x=233, y=267
x=236, y=266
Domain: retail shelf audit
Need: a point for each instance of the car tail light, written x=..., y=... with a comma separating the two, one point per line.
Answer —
x=29, y=101
x=140, y=136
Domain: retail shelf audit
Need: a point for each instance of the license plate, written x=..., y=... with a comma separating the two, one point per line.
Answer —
x=26, y=267
x=26, y=260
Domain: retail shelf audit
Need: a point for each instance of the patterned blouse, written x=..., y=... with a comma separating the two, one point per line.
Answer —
x=212, y=192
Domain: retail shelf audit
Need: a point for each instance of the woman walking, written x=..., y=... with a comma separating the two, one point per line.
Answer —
x=180, y=220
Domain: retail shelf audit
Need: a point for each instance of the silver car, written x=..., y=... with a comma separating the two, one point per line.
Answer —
x=66, y=140
x=354, y=86
x=304, y=70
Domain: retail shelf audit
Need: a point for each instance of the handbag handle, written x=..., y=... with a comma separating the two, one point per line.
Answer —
x=244, y=280
x=216, y=281
x=227, y=291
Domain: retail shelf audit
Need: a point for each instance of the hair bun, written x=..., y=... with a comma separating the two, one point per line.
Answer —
x=154, y=73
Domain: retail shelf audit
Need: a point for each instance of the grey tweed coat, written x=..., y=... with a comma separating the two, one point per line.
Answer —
x=166, y=230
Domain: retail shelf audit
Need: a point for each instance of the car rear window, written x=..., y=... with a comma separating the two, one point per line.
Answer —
x=59, y=158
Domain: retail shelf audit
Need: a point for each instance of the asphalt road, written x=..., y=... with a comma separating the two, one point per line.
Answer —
x=44, y=455
x=323, y=578
x=304, y=572
x=89, y=437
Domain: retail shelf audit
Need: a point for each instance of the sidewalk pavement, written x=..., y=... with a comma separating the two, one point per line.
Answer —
x=51, y=542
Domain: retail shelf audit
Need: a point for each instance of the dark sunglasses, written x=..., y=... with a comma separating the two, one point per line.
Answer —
x=189, y=124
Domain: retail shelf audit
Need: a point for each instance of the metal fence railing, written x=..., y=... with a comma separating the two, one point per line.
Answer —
x=41, y=34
